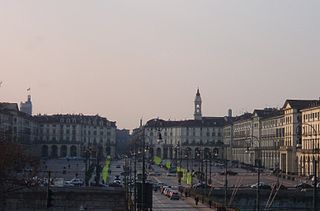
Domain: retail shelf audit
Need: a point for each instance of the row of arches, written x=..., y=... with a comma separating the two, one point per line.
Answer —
x=55, y=151
x=188, y=152
x=305, y=165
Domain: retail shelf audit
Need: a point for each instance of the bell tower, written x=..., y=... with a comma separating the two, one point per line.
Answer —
x=197, y=106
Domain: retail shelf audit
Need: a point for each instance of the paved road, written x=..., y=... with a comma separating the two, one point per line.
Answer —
x=116, y=167
x=63, y=168
x=244, y=177
x=161, y=202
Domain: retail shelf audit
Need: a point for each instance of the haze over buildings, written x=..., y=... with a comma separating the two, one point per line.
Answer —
x=132, y=59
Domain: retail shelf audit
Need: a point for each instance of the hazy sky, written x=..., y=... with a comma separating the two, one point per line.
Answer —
x=130, y=59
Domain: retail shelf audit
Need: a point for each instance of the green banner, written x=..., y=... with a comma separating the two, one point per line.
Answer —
x=189, y=178
x=186, y=176
x=157, y=160
x=168, y=164
x=105, y=171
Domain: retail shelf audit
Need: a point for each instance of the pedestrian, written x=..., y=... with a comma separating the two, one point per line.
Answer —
x=210, y=203
x=197, y=200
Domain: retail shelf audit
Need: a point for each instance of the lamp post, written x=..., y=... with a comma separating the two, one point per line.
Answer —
x=207, y=155
x=210, y=172
x=259, y=166
x=176, y=155
x=143, y=172
x=130, y=183
x=226, y=178
x=186, y=157
x=135, y=178
x=180, y=154
x=143, y=191
x=87, y=158
x=199, y=159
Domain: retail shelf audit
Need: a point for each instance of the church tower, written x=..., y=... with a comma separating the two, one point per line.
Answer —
x=197, y=106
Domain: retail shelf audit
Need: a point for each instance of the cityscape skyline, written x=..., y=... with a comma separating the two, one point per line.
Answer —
x=131, y=60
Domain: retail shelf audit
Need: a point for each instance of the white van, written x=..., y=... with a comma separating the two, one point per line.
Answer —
x=58, y=182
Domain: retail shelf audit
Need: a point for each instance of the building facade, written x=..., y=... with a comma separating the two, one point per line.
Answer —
x=192, y=139
x=272, y=137
x=256, y=137
x=308, y=154
x=58, y=135
x=72, y=135
x=242, y=129
x=17, y=126
x=292, y=134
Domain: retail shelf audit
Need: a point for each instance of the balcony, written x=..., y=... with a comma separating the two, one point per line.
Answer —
x=309, y=151
x=286, y=148
x=209, y=144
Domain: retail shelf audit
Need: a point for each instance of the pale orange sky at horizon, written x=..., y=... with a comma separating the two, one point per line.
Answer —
x=127, y=60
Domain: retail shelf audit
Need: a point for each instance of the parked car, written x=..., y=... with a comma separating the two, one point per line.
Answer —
x=201, y=186
x=174, y=195
x=171, y=174
x=58, y=182
x=229, y=172
x=117, y=180
x=155, y=173
x=74, y=182
x=303, y=185
x=262, y=185
x=167, y=191
x=116, y=185
x=219, y=165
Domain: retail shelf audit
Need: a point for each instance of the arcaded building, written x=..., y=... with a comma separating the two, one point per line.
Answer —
x=196, y=138
x=71, y=135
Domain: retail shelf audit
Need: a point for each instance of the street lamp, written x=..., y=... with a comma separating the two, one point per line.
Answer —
x=176, y=148
x=186, y=157
x=226, y=178
x=87, y=157
x=259, y=166
x=199, y=160
x=207, y=156
x=135, y=177
x=143, y=163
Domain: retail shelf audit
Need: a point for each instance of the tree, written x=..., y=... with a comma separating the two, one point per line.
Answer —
x=17, y=167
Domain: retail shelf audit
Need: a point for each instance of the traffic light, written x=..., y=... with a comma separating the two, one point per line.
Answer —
x=49, y=198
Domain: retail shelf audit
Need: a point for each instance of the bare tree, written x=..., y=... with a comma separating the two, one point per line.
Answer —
x=17, y=167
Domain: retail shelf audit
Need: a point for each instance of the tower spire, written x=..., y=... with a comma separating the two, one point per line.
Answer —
x=197, y=106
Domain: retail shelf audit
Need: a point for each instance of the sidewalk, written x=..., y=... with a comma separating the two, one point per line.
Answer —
x=200, y=206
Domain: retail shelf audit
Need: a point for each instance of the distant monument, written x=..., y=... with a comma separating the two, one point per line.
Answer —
x=26, y=107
